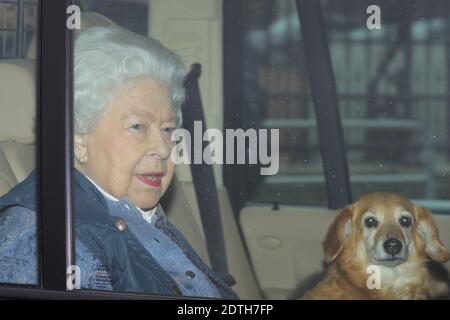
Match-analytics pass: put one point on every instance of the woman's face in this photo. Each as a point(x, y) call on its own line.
point(128, 152)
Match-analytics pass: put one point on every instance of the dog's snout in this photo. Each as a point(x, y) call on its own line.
point(392, 246)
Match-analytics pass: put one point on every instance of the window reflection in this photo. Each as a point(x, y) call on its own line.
point(393, 95)
point(276, 95)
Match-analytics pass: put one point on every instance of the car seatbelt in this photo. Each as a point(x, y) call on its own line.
point(204, 181)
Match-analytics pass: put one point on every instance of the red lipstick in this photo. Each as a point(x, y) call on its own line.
point(152, 179)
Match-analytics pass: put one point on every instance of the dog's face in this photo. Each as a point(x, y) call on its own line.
point(384, 229)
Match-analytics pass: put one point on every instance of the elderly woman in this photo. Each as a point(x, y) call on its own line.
point(128, 97)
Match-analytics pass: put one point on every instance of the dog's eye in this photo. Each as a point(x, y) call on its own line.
point(405, 221)
point(370, 222)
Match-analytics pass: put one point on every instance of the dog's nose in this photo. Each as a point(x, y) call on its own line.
point(392, 246)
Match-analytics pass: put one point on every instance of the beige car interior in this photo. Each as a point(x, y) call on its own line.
point(17, 121)
point(279, 249)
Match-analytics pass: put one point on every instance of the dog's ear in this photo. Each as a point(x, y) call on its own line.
point(428, 231)
point(339, 230)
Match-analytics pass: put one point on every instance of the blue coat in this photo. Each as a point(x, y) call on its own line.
point(109, 258)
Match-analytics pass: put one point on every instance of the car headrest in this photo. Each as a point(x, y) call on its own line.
point(88, 20)
point(93, 19)
point(17, 101)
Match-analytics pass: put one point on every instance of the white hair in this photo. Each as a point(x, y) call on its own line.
point(108, 58)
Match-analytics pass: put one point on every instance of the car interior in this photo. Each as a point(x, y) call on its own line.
point(273, 251)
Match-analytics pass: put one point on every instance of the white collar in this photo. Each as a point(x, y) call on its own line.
point(104, 193)
point(147, 215)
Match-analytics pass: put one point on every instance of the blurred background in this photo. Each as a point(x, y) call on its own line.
point(392, 87)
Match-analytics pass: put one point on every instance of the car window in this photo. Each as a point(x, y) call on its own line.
point(393, 96)
point(274, 94)
point(391, 90)
point(18, 137)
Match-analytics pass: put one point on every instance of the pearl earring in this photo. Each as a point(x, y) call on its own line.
point(82, 160)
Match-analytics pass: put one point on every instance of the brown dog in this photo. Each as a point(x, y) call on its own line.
point(387, 234)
